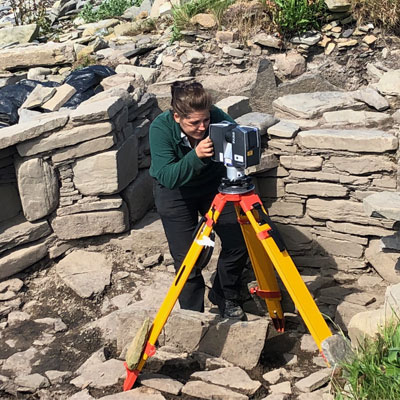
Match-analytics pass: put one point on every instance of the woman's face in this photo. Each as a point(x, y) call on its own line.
point(195, 124)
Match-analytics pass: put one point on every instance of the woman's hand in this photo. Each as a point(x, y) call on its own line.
point(205, 148)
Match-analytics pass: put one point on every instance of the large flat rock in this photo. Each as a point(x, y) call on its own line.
point(18, 230)
point(385, 204)
point(28, 130)
point(64, 138)
point(37, 55)
point(313, 105)
point(389, 84)
point(354, 140)
point(384, 263)
point(85, 272)
point(87, 224)
point(108, 172)
point(20, 258)
point(38, 187)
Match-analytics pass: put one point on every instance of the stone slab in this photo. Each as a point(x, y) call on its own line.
point(38, 187)
point(107, 203)
point(17, 231)
point(356, 140)
point(20, 258)
point(313, 105)
point(91, 223)
point(108, 172)
point(28, 130)
point(51, 53)
point(63, 138)
point(385, 204)
point(86, 273)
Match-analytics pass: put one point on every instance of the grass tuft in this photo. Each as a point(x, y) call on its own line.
point(374, 373)
point(297, 16)
point(107, 9)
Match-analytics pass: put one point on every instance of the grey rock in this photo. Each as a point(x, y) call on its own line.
point(385, 263)
point(100, 375)
point(232, 377)
point(235, 106)
point(45, 54)
point(372, 98)
point(20, 34)
point(97, 111)
point(312, 105)
point(308, 163)
point(84, 149)
point(20, 258)
point(31, 383)
point(29, 130)
point(362, 165)
point(264, 90)
point(267, 40)
point(140, 393)
point(262, 121)
point(18, 230)
point(107, 203)
point(38, 187)
point(284, 129)
point(86, 273)
point(356, 140)
point(308, 38)
point(108, 172)
point(389, 84)
point(161, 382)
point(20, 363)
point(314, 381)
point(385, 204)
point(39, 95)
point(208, 391)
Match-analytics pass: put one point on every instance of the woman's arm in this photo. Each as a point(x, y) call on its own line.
point(166, 166)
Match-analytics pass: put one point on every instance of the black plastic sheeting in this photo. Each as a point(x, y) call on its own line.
point(13, 96)
point(85, 81)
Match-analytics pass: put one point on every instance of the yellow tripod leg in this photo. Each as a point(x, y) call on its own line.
point(201, 239)
point(287, 271)
point(268, 287)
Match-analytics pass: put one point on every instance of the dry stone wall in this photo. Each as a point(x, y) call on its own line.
point(73, 174)
point(334, 150)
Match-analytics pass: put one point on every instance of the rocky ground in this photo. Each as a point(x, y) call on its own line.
point(50, 333)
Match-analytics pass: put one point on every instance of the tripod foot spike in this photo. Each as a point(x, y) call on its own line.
point(131, 376)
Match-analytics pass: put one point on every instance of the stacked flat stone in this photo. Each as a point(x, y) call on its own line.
point(76, 173)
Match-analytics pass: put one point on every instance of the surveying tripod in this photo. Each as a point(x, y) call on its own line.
point(266, 250)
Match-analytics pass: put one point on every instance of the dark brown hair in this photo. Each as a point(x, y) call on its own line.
point(188, 97)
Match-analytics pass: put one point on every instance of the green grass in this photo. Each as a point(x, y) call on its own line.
point(182, 14)
point(374, 373)
point(297, 16)
point(107, 9)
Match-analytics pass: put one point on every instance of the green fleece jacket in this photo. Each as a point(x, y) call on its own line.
point(175, 165)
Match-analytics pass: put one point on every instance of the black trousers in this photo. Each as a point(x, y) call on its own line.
point(179, 210)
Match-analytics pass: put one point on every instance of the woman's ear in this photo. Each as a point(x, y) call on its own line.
point(177, 118)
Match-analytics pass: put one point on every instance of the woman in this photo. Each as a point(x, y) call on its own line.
point(186, 182)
